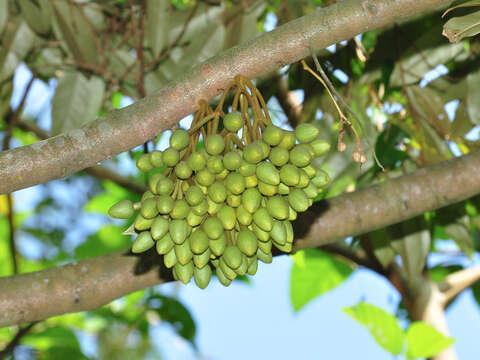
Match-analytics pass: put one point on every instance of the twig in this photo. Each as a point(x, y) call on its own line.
point(288, 103)
point(14, 342)
point(11, 224)
point(458, 281)
point(355, 255)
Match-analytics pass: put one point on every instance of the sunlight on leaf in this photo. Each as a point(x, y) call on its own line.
point(425, 341)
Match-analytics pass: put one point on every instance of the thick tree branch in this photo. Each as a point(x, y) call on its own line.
point(124, 129)
point(455, 283)
point(91, 283)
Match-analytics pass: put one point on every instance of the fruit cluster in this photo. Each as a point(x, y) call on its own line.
point(227, 203)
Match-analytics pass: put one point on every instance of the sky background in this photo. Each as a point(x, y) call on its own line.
point(253, 320)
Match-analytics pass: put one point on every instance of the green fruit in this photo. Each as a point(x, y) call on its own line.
point(222, 278)
point(165, 204)
point(122, 210)
point(306, 133)
point(247, 242)
point(199, 242)
point(213, 207)
point(251, 199)
point(253, 266)
point(149, 208)
point(247, 169)
point(141, 223)
point(289, 175)
point(232, 257)
point(233, 121)
point(261, 235)
point(153, 181)
point(202, 276)
point(147, 194)
point(164, 245)
point(289, 231)
point(179, 139)
point(268, 173)
point(227, 216)
point(310, 171)
point(278, 233)
point(285, 247)
point(165, 186)
point(251, 181)
point(218, 245)
point(217, 192)
point(320, 179)
point(156, 158)
point(215, 164)
point(213, 227)
point(265, 148)
point(243, 216)
point(178, 230)
point(309, 148)
point(253, 153)
point(288, 140)
point(182, 170)
point(292, 214)
point(214, 144)
point(170, 157)
point(304, 179)
point(183, 252)
point(279, 156)
point(194, 219)
point(298, 200)
point(272, 135)
point(264, 257)
point(144, 164)
point(267, 189)
point(180, 209)
point(234, 200)
point(311, 191)
point(170, 259)
point(184, 272)
point(232, 160)
point(202, 259)
point(159, 228)
point(265, 246)
point(205, 177)
point(283, 189)
point(242, 269)
point(196, 161)
point(300, 156)
point(200, 209)
point(222, 175)
point(194, 195)
point(229, 273)
point(235, 183)
point(277, 207)
point(262, 219)
point(320, 147)
point(143, 242)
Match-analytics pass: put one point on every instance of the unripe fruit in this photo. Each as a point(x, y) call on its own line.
point(233, 121)
point(156, 158)
point(194, 219)
point(288, 140)
point(251, 200)
point(260, 234)
point(217, 192)
point(235, 183)
point(143, 242)
point(232, 160)
point(268, 173)
point(217, 246)
point(247, 242)
point(214, 144)
point(164, 186)
point(234, 200)
point(149, 208)
point(222, 175)
point(243, 216)
point(196, 161)
point(178, 230)
point(310, 171)
point(251, 181)
point(247, 169)
point(283, 189)
point(144, 164)
point(292, 214)
point(232, 256)
point(202, 276)
point(222, 278)
point(311, 191)
point(320, 179)
point(122, 210)
point(289, 231)
point(183, 252)
point(199, 242)
point(265, 246)
point(289, 175)
point(165, 204)
point(277, 207)
point(304, 179)
point(264, 257)
point(262, 219)
point(170, 259)
point(213, 227)
point(298, 200)
point(278, 233)
point(300, 156)
point(141, 223)
point(253, 266)
point(147, 194)
point(159, 228)
point(200, 209)
point(213, 207)
point(180, 209)
point(229, 272)
point(153, 181)
point(170, 157)
point(164, 245)
point(182, 170)
point(179, 139)
point(267, 189)
point(205, 177)
point(184, 272)
point(272, 135)
point(306, 133)
point(320, 147)
point(215, 164)
point(242, 269)
point(279, 156)
point(194, 195)
point(227, 216)
point(202, 259)
point(253, 153)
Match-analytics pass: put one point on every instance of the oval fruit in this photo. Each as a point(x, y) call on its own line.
point(165, 204)
point(202, 276)
point(232, 256)
point(277, 207)
point(170, 157)
point(196, 161)
point(233, 121)
point(272, 135)
point(156, 158)
point(149, 208)
point(267, 173)
point(144, 164)
point(298, 200)
point(178, 230)
point(182, 170)
point(306, 133)
point(179, 139)
point(232, 160)
point(251, 199)
point(143, 242)
point(122, 210)
point(247, 242)
point(164, 245)
point(214, 144)
point(184, 272)
point(235, 183)
point(213, 227)
point(159, 228)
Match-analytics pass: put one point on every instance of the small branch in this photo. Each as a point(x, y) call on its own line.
point(287, 101)
point(458, 281)
point(16, 340)
point(353, 254)
point(11, 224)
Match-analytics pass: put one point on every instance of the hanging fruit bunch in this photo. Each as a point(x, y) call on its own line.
point(225, 204)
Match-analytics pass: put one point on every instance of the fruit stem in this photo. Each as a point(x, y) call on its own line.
point(201, 123)
point(137, 205)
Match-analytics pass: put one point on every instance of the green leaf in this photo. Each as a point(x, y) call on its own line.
point(174, 312)
point(460, 27)
point(76, 102)
point(108, 239)
point(104, 201)
point(382, 326)
point(50, 337)
point(37, 14)
point(473, 94)
point(315, 272)
point(424, 341)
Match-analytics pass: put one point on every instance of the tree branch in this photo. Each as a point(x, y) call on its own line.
point(16, 340)
point(94, 282)
point(460, 280)
point(124, 129)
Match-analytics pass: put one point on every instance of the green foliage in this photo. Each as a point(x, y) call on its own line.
point(104, 201)
point(107, 240)
point(313, 273)
point(425, 341)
